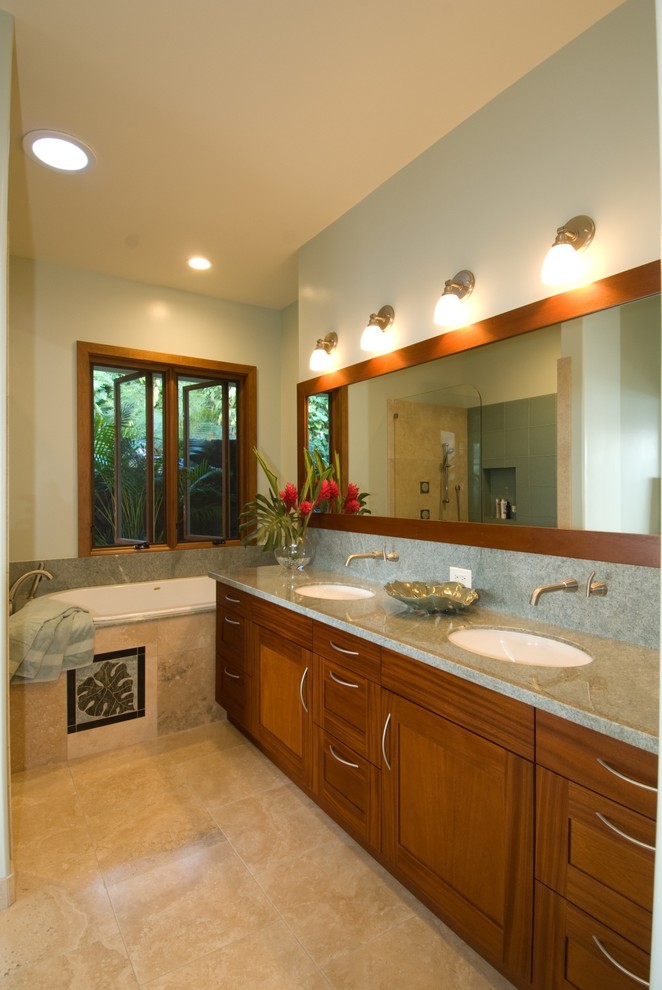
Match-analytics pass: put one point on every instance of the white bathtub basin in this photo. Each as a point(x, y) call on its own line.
point(519, 647)
point(334, 592)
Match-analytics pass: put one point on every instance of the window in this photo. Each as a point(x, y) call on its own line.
point(165, 449)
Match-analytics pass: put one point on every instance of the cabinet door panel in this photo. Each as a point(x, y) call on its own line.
point(284, 722)
point(458, 823)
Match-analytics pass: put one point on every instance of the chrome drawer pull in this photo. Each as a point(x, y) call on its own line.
point(235, 601)
point(386, 725)
point(231, 622)
point(622, 776)
point(623, 835)
point(339, 680)
point(303, 681)
point(345, 763)
point(228, 673)
point(350, 653)
point(637, 979)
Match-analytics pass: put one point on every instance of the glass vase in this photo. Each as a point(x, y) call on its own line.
point(294, 553)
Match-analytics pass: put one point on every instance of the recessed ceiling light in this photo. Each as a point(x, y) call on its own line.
point(200, 264)
point(59, 151)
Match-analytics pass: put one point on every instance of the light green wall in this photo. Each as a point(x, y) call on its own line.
point(578, 134)
point(51, 307)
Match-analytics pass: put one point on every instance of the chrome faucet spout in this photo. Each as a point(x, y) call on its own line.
point(569, 585)
point(373, 555)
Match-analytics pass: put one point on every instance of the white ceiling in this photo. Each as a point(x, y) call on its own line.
point(241, 129)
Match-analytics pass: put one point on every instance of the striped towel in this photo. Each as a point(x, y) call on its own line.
point(47, 637)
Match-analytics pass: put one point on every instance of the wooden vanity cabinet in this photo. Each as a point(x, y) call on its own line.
point(346, 706)
point(234, 664)
point(595, 833)
point(457, 812)
point(281, 647)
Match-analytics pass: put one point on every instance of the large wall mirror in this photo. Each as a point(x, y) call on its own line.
point(495, 435)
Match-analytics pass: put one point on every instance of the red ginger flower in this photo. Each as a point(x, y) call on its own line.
point(289, 495)
point(325, 492)
point(351, 505)
point(305, 508)
point(352, 492)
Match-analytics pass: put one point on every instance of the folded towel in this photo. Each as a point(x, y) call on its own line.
point(47, 637)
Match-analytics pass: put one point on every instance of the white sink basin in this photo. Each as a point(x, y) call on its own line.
point(519, 647)
point(334, 592)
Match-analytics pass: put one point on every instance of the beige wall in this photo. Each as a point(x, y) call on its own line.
point(51, 307)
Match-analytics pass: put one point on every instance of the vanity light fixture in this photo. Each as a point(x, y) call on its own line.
point(372, 338)
point(449, 311)
point(562, 264)
point(56, 150)
point(320, 359)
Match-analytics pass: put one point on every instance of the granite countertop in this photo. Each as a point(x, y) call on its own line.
point(617, 693)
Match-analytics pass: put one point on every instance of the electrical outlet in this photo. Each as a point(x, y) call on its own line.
point(460, 574)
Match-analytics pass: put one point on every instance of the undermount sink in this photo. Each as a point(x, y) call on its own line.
point(514, 646)
point(334, 592)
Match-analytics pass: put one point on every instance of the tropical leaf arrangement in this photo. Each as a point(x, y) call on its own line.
point(283, 515)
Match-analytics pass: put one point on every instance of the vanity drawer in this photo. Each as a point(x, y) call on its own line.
point(613, 768)
point(233, 692)
point(232, 599)
point(232, 637)
point(596, 853)
point(355, 654)
point(568, 953)
point(346, 704)
point(346, 786)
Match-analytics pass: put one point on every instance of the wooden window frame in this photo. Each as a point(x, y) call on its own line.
point(90, 354)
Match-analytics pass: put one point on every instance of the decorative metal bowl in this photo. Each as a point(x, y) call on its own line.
point(429, 598)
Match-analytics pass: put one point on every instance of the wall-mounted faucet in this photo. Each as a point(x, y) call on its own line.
point(373, 555)
point(569, 585)
point(39, 573)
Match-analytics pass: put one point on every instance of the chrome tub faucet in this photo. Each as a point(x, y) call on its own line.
point(39, 573)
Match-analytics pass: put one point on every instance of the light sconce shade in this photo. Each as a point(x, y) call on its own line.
point(372, 338)
point(562, 264)
point(320, 359)
point(449, 311)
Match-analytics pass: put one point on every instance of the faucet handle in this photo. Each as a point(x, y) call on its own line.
point(595, 587)
point(392, 555)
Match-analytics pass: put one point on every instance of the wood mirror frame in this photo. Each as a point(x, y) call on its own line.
point(624, 548)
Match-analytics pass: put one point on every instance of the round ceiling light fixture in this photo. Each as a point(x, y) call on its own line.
point(59, 151)
point(199, 264)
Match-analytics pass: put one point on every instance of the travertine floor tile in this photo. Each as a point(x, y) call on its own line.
point(269, 960)
point(100, 964)
point(199, 903)
point(420, 954)
point(228, 775)
point(49, 920)
point(288, 903)
point(335, 898)
point(278, 824)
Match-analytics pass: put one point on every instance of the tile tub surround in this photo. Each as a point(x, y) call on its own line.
point(179, 687)
point(617, 693)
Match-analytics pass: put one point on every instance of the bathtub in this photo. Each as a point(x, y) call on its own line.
point(118, 604)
